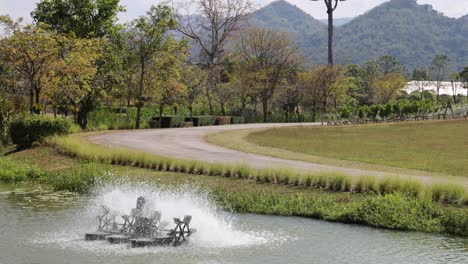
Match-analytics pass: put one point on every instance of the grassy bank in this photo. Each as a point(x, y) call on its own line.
point(393, 211)
point(435, 146)
point(78, 146)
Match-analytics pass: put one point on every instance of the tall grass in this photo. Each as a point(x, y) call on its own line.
point(13, 171)
point(392, 211)
point(78, 146)
point(80, 179)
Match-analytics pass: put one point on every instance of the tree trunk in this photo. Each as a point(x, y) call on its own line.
point(82, 119)
point(140, 95)
point(190, 108)
point(31, 94)
point(453, 93)
point(161, 110)
point(265, 109)
point(210, 88)
point(330, 36)
point(223, 110)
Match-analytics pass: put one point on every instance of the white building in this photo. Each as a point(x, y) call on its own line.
point(445, 88)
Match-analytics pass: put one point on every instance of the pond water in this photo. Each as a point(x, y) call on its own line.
point(44, 227)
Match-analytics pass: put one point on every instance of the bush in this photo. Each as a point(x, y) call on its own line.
point(13, 171)
point(81, 179)
point(237, 120)
point(167, 122)
point(400, 212)
point(455, 222)
point(202, 120)
point(25, 131)
point(222, 120)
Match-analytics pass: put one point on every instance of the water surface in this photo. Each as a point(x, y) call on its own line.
point(44, 227)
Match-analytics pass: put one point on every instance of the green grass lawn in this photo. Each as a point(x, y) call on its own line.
point(440, 147)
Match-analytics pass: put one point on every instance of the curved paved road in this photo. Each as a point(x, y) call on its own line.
point(188, 143)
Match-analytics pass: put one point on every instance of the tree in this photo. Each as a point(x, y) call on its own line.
point(6, 113)
point(147, 38)
point(454, 80)
point(194, 79)
point(388, 64)
point(163, 84)
point(464, 78)
point(310, 90)
point(290, 95)
point(326, 80)
point(215, 21)
point(268, 54)
point(72, 82)
point(422, 77)
point(86, 18)
point(386, 87)
point(31, 50)
point(331, 6)
point(439, 69)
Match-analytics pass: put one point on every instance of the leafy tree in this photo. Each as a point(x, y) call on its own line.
point(148, 37)
point(420, 74)
point(464, 78)
point(163, 84)
point(269, 54)
point(31, 50)
point(194, 79)
point(386, 87)
point(310, 90)
point(86, 18)
point(389, 64)
point(439, 68)
point(72, 84)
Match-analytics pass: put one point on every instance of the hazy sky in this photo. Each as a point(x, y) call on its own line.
point(349, 8)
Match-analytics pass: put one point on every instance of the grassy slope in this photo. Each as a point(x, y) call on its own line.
point(392, 211)
point(52, 161)
point(440, 147)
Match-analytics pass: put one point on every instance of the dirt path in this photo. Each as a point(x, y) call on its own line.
point(189, 143)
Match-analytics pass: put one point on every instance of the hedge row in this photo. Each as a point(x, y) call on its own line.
point(167, 122)
point(178, 121)
point(27, 130)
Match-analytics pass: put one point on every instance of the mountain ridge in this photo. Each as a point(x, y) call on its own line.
point(412, 33)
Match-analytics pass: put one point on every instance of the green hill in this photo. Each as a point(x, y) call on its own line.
point(412, 33)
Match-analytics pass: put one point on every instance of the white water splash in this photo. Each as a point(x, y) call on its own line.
point(215, 229)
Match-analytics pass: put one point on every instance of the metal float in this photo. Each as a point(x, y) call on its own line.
point(139, 230)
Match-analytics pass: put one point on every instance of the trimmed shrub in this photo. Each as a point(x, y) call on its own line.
point(25, 131)
point(167, 122)
point(237, 120)
point(202, 120)
point(222, 120)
